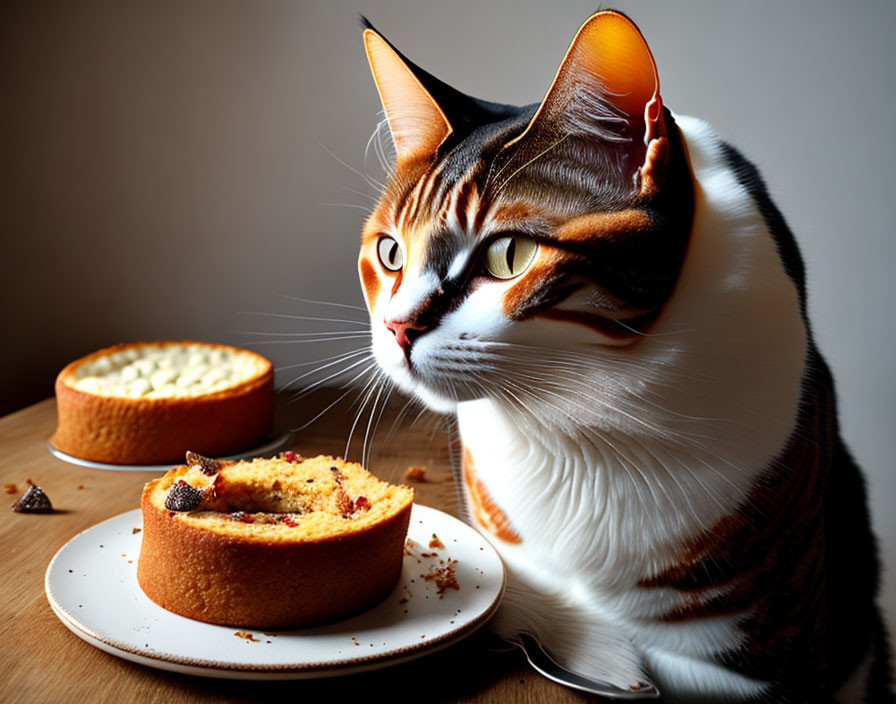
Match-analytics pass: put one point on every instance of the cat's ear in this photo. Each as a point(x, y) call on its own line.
point(416, 121)
point(607, 85)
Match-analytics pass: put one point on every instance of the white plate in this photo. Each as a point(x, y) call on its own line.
point(271, 445)
point(91, 584)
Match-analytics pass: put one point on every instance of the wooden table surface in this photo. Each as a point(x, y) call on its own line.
point(42, 661)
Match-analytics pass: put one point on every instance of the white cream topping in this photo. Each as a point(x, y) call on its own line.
point(166, 371)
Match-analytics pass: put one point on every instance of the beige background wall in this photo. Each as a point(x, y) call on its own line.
point(167, 166)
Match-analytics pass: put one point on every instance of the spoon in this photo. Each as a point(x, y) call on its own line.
point(544, 664)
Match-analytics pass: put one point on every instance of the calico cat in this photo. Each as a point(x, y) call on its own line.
point(605, 295)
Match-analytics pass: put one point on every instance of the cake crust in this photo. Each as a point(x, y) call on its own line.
point(278, 577)
point(122, 430)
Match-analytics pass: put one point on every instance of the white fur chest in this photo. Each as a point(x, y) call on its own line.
point(595, 514)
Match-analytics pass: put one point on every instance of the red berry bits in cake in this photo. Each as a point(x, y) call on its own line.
point(275, 551)
point(34, 500)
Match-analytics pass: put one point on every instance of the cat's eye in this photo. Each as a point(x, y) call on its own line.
point(510, 256)
point(390, 254)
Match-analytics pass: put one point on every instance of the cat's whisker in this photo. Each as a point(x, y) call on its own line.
point(339, 360)
point(641, 333)
point(376, 139)
point(383, 136)
point(337, 338)
point(370, 416)
point(286, 316)
point(321, 303)
point(399, 417)
point(349, 388)
point(311, 387)
point(323, 412)
point(420, 414)
point(299, 334)
point(371, 434)
point(372, 182)
point(565, 378)
point(365, 208)
point(550, 357)
point(343, 355)
point(366, 393)
point(369, 197)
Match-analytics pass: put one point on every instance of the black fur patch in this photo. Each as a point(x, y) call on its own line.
point(849, 623)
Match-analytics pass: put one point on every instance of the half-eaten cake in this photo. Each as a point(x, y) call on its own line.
point(271, 543)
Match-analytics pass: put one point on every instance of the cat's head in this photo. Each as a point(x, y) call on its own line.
point(511, 238)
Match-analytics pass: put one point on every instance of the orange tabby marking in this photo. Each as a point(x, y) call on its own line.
point(485, 510)
point(370, 280)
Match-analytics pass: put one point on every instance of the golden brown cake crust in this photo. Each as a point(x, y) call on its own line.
point(255, 581)
point(121, 430)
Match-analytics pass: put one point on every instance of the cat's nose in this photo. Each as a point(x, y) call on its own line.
point(405, 333)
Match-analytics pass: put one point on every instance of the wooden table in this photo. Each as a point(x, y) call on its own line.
point(42, 661)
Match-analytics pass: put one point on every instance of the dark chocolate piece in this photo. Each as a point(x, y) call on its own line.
point(34, 500)
point(183, 497)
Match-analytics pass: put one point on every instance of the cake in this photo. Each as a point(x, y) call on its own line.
point(271, 543)
point(149, 402)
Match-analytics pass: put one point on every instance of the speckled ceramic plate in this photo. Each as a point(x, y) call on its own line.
point(271, 445)
point(91, 584)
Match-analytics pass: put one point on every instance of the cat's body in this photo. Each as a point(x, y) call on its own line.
point(628, 493)
point(616, 311)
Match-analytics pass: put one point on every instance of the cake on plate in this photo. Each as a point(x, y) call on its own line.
point(149, 402)
point(271, 543)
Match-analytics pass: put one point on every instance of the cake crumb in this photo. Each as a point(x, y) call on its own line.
point(443, 577)
point(246, 635)
point(12, 489)
point(134, 531)
point(436, 543)
point(416, 474)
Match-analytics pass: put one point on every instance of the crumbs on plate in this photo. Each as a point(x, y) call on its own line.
point(443, 577)
point(246, 635)
point(435, 543)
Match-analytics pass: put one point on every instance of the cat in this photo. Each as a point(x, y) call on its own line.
point(604, 294)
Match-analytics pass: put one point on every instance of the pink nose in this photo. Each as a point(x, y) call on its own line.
point(405, 333)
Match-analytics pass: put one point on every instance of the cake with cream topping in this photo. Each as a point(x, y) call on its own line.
point(149, 402)
point(271, 543)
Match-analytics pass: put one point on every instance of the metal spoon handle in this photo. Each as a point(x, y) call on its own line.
point(544, 664)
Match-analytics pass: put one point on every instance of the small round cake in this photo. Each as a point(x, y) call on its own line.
point(150, 402)
point(271, 543)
